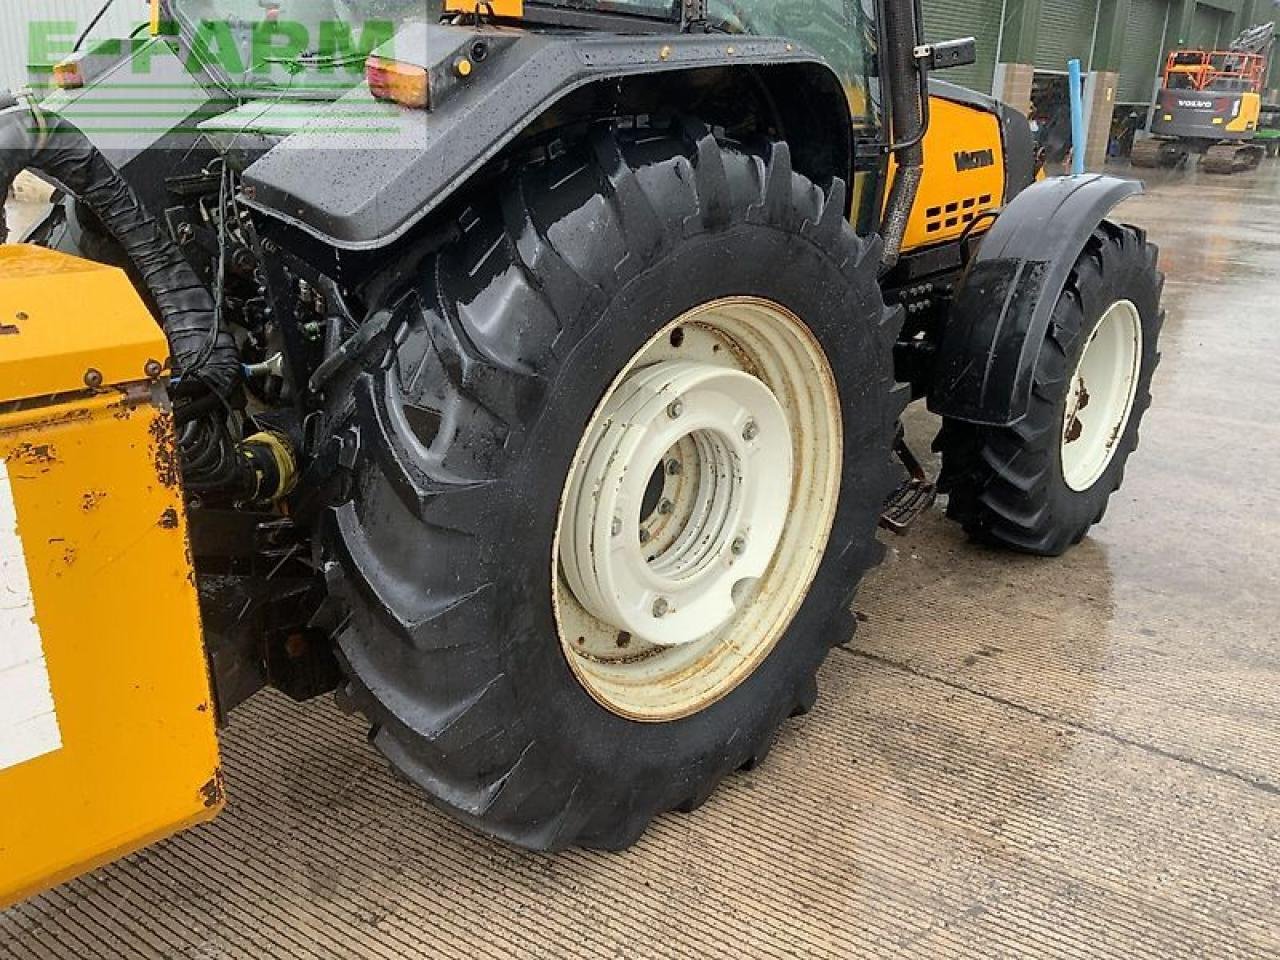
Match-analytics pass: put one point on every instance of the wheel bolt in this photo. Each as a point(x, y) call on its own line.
point(675, 408)
point(750, 431)
point(645, 535)
point(660, 607)
point(665, 507)
point(739, 546)
point(615, 528)
point(673, 468)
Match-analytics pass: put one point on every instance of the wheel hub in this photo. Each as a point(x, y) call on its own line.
point(696, 509)
point(679, 501)
point(1101, 395)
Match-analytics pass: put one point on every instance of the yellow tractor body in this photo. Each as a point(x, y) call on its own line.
point(963, 175)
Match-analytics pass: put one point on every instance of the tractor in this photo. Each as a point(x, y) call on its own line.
point(528, 374)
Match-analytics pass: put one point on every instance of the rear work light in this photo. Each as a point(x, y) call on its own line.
point(402, 83)
point(68, 74)
point(513, 9)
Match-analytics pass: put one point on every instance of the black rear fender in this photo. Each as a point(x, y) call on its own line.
point(361, 190)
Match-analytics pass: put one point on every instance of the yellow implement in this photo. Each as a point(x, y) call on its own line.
point(107, 738)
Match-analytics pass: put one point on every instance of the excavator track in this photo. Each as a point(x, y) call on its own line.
point(1229, 158)
point(1157, 152)
point(1146, 153)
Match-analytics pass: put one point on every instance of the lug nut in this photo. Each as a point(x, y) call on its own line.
point(660, 607)
point(673, 468)
point(665, 507)
point(645, 535)
point(674, 409)
point(750, 431)
point(739, 546)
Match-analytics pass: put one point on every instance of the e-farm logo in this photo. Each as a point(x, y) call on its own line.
point(176, 84)
point(234, 49)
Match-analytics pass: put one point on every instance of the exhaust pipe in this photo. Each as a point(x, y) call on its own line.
point(908, 98)
point(202, 353)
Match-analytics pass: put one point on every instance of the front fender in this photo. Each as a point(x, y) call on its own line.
point(987, 354)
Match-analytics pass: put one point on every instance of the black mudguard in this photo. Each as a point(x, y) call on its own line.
point(985, 360)
point(362, 177)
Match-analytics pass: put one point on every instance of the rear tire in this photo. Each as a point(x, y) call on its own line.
point(1024, 486)
point(469, 418)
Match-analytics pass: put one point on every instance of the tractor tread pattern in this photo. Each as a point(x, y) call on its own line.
point(419, 648)
point(1004, 484)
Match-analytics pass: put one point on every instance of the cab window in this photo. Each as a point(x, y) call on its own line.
point(842, 32)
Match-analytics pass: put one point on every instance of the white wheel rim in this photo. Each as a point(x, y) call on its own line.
point(697, 509)
point(1101, 395)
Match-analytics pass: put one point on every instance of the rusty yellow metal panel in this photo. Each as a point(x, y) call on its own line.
point(61, 317)
point(107, 737)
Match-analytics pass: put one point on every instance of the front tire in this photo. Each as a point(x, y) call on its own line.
point(472, 416)
point(1038, 485)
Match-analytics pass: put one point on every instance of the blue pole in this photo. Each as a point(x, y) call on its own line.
point(1077, 117)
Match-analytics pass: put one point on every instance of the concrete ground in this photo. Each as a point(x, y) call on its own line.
point(1013, 757)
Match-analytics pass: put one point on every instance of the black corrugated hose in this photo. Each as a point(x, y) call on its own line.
point(203, 354)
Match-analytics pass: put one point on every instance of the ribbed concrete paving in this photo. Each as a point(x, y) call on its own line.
point(1013, 758)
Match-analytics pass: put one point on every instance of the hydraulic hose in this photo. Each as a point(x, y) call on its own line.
point(202, 353)
point(907, 91)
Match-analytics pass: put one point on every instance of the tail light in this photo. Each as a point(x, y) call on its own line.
point(495, 8)
point(402, 83)
point(68, 75)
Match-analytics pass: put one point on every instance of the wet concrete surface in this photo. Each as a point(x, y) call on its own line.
point(1014, 757)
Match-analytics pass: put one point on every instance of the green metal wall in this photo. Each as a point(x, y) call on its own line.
point(1210, 28)
point(1065, 31)
point(1143, 51)
point(947, 20)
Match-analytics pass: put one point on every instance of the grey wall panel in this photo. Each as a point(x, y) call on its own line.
point(1065, 31)
point(948, 19)
point(1145, 44)
point(1210, 28)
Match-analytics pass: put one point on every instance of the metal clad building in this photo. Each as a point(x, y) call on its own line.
point(980, 19)
point(1067, 30)
point(1146, 40)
